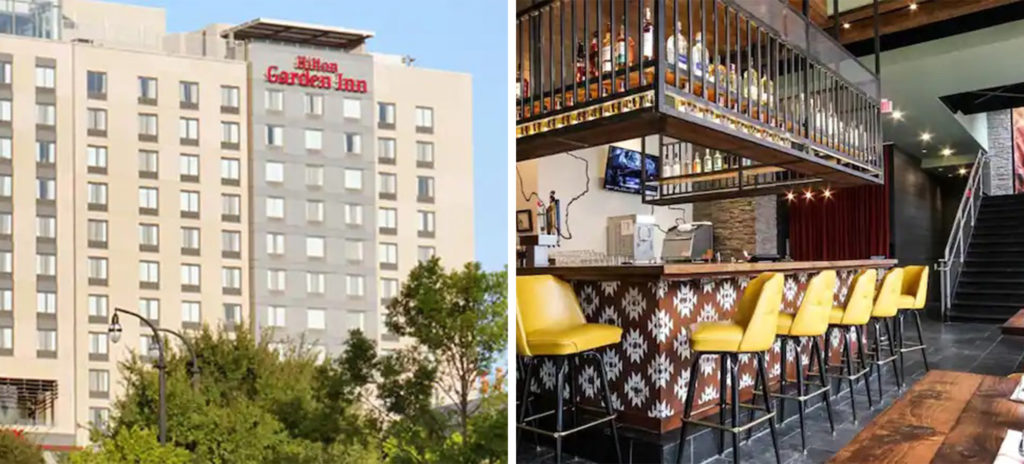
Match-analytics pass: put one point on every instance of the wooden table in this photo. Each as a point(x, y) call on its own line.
point(952, 417)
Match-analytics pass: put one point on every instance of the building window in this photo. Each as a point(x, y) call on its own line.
point(147, 89)
point(96, 229)
point(232, 313)
point(189, 94)
point(229, 134)
point(231, 241)
point(352, 108)
point(387, 185)
point(6, 338)
point(97, 271)
point(315, 282)
point(388, 288)
point(190, 275)
point(424, 253)
point(190, 239)
point(188, 166)
point(100, 417)
point(353, 214)
point(5, 185)
point(386, 150)
point(274, 171)
point(96, 84)
point(275, 136)
point(6, 224)
point(46, 77)
point(314, 175)
point(47, 340)
point(424, 154)
point(231, 278)
point(148, 125)
point(315, 247)
point(354, 250)
point(96, 158)
point(275, 207)
point(98, 343)
point(96, 121)
point(231, 207)
point(314, 104)
point(275, 243)
point(388, 253)
point(5, 72)
point(46, 302)
point(46, 152)
point(314, 139)
point(46, 189)
point(229, 97)
point(425, 222)
point(189, 202)
point(149, 235)
point(386, 114)
point(5, 148)
point(353, 143)
point(425, 188)
point(230, 169)
point(6, 262)
point(5, 110)
point(98, 306)
point(316, 319)
point(148, 198)
point(387, 218)
point(355, 320)
point(314, 211)
point(147, 347)
point(46, 114)
point(149, 308)
point(188, 129)
point(148, 162)
point(424, 118)
point(353, 179)
point(99, 382)
point(355, 285)
point(149, 272)
point(275, 316)
point(190, 312)
point(276, 280)
point(274, 100)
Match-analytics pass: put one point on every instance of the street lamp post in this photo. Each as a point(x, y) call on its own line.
point(115, 336)
point(193, 368)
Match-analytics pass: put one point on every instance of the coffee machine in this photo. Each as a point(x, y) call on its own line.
point(631, 237)
point(688, 242)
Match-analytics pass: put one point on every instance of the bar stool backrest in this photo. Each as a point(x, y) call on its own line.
point(758, 311)
point(546, 302)
point(812, 316)
point(915, 283)
point(889, 294)
point(860, 299)
point(522, 347)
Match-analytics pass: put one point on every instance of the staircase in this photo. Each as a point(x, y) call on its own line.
point(991, 284)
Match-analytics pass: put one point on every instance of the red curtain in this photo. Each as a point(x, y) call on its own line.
point(852, 224)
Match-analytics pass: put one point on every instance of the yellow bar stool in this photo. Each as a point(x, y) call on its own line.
point(883, 315)
point(751, 331)
point(808, 323)
point(550, 324)
point(912, 300)
point(854, 316)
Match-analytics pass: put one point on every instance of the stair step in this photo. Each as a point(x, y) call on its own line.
point(964, 314)
point(991, 240)
point(995, 253)
point(1002, 297)
point(1003, 199)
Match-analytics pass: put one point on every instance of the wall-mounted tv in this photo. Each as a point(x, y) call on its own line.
point(623, 170)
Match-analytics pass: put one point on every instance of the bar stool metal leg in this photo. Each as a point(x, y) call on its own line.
point(609, 409)
point(847, 356)
point(559, 389)
point(817, 350)
point(688, 405)
point(572, 363)
point(524, 400)
point(723, 373)
point(768, 405)
point(783, 345)
point(878, 356)
point(892, 353)
point(864, 362)
point(899, 343)
point(920, 339)
point(800, 393)
point(735, 390)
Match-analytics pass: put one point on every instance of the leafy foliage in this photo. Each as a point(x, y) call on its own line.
point(15, 449)
point(135, 445)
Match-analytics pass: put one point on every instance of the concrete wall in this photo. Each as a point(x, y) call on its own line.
point(1000, 150)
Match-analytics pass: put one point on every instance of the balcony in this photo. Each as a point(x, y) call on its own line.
point(739, 78)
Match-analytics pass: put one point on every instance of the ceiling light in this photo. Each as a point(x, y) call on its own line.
point(947, 151)
point(827, 192)
point(809, 195)
point(897, 115)
point(926, 136)
point(846, 25)
point(962, 171)
point(790, 196)
point(913, 6)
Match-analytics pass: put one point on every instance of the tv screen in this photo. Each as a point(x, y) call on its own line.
point(623, 170)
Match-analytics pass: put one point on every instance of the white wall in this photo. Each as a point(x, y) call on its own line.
point(588, 216)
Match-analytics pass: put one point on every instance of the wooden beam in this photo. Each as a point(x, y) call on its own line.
point(895, 16)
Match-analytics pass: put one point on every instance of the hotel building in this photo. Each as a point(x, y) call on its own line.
point(172, 176)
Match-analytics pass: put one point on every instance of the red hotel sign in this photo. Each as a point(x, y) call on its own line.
point(317, 73)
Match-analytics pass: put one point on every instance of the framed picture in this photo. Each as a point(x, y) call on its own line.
point(524, 220)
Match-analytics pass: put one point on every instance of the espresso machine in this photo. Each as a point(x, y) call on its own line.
point(631, 237)
point(688, 242)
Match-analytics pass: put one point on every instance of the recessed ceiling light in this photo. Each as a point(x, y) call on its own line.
point(913, 6)
point(809, 195)
point(827, 192)
point(926, 136)
point(790, 196)
point(947, 151)
point(897, 115)
point(846, 25)
point(962, 171)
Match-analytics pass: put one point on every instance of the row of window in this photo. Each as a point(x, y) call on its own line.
point(188, 92)
point(387, 152)
point(316, 319)
point(355, 284)
point(96, 192)
point(96, 125)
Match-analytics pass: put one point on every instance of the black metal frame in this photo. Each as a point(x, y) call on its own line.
point(730, 360)
point(802, 395)
point(903, 347)
point(844, 370)
point(875, 355)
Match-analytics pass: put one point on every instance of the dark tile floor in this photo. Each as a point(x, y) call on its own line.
point(965, 347)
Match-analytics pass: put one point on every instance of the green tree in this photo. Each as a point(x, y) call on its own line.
point(15, 449)
point(135, 445)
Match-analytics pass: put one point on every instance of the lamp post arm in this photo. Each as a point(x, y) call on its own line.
point(191, 351)
point(161, 368)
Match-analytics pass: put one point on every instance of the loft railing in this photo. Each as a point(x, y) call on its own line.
point(952, 262)
point(753, 66)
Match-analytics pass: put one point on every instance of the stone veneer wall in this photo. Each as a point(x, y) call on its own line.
point(741, 224)
point(1000, 150)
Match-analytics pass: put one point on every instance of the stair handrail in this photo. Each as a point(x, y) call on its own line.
point(963, 227)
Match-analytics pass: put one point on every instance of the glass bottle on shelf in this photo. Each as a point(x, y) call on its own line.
point(750, 83)
point(581, 61)
point(700, 55)
point(519, 86)
point(718, 161)
point(697, 168)
point(709, 163)
point(594, 55)
point(624, 55)
point(648, 35)
point(675, 50)
point(606, 50)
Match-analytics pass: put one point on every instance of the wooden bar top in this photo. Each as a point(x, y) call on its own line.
point(947, 417)
point(689, 270)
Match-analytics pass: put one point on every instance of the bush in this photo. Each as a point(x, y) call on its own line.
point(15, 449)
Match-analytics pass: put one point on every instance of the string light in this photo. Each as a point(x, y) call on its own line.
point(809, 195)
point(790, 196)
point(913, 6)
point(827, 192)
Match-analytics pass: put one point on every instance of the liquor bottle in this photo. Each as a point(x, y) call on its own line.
point(718, 161)
point(696, 164)
point(581, 61)
point(648, 37)
point(594, 55)
point(606, 50)
point(519, 86)
point(624, 56)
point(699, 54)
point(709, 163)
point(675, 50)
point(750, 83)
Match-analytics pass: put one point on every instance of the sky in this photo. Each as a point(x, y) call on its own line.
point(457, 35)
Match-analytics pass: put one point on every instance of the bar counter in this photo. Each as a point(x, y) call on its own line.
point(657, 306)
